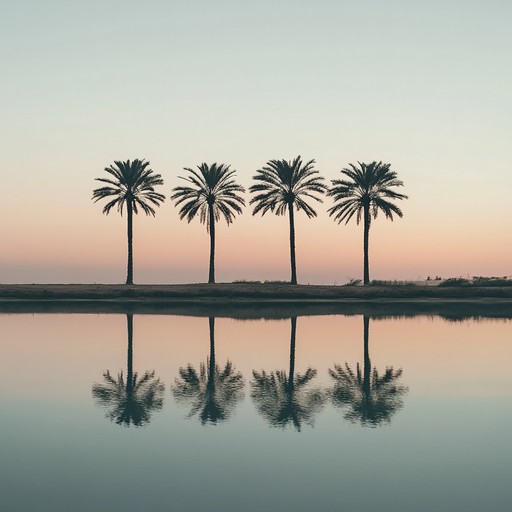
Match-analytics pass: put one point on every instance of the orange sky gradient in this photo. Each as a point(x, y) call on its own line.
point(71, 241)
point(228, 91)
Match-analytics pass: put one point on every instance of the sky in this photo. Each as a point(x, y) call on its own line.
point(422, 86)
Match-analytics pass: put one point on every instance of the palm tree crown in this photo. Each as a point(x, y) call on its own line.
point(365, 395)
point(371, 399)
point(212, 194)
point(284, 185)
point(131, 185)
point(369, 185)
point(285, 399)
point(213, 392)
point(368, 189)
point(131, 401)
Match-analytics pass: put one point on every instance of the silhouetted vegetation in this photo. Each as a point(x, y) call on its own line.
point(287, 399)
point(377, 282)
point(367, 397)
point(211, 392)
point(455, 281)
point(477, 281)
point(367, 190)
point(243, 281)
point(129, 401)
point(283, 186)
point(258, 300)
point(354, 282)
point(213, 194)
point(132, 186)
point(491, 281)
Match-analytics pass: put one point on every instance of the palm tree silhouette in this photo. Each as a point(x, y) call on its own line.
point(283, 399)
point(132, 185)
point(283, 186)
point(212, 393)
point(131, 401)
point(212, 195)
point(367, 191)
point(369, 398)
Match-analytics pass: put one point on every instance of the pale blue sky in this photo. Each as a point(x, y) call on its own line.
point(425, 86)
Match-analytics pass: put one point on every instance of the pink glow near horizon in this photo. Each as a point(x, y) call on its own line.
point(93, 249)
point(437, 114)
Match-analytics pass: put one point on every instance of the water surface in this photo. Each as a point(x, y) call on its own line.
point(141, 412)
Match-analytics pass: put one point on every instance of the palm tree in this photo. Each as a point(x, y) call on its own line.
point(283, 399)
point(369, 398)
point(132, 185)
point(133, 400)
point(283, 186)
point(213, 194)
point(212, 392)
point(368, 190)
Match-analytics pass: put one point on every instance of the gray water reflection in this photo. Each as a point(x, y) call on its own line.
point(367, 397)
point(444, 444)
point(131, 401)
point(212, 393)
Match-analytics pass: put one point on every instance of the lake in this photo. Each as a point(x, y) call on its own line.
point(125, 412)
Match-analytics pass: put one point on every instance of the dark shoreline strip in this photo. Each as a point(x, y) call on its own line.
point(453, 309)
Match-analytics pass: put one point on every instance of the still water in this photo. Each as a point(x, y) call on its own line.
point(159, 412)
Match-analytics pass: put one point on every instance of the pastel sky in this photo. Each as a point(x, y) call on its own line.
point(425, 86)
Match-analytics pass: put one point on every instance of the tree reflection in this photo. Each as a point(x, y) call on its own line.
point(212, 393)
point(369, 398)
point(283, 399)
point(130, 401)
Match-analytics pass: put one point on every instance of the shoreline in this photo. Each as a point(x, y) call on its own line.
point(247, 292)
point(252, 301)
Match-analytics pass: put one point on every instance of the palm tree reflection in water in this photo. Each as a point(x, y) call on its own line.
point(131, 401)
point(283, 399)
point(371, 399)
point(212, 393)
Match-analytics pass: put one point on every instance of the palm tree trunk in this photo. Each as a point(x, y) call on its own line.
point(129, 375)
point(367, 362)
point(211, 277)
point(292, 351)
point(366, 213)
point(129, 273)
point(211, 367)
point(292, 245)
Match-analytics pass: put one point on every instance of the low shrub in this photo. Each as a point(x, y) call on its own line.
point(377, 282)
point(478, 281)
point(491, 281)
point(456, 281)
point(354, 282)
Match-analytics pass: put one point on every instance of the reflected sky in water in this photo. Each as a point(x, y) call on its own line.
point(131, 412)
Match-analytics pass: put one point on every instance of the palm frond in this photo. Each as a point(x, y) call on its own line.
point(282, 184)
point(133, 185)
point(212, 393)
point(209, 187)
point(370, 400)
point(130, 403)
point(283, 401)
point(365, 185)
